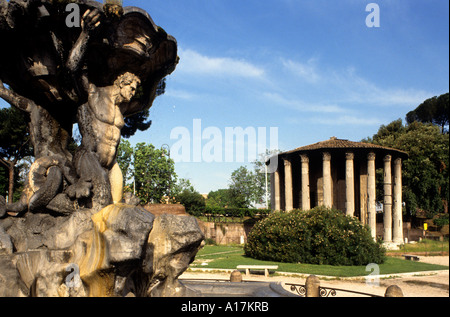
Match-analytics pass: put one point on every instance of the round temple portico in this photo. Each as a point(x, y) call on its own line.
point(342, 174)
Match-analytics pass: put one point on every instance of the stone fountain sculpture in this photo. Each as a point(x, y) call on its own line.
point(71, 234)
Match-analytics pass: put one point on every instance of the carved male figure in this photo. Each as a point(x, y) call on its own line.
point(91, 74)
point(50, 141)
point(100, 121)
point(52, 158)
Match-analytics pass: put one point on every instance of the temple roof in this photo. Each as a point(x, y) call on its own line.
point(335, 143)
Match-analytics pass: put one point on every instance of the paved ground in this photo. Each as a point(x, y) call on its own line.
point(423, 284)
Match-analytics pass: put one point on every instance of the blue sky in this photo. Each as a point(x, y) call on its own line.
point(311, 68)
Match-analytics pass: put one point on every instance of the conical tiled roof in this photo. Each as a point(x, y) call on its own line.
point(335, 143)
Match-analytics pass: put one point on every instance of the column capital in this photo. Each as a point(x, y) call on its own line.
point(371, 156)
point(286, 162)
point(304, 158)
point(398, 161)
point(349, 155)
point(388, 158)
point(326, 156)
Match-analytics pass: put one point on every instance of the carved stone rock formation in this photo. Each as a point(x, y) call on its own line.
point(70, 234)
point(118, 251)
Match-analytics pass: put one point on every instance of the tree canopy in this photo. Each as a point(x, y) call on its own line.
point(425, 172)
point(242, 187)
point(246, 187)
point(185, 194)
point(154, 173)
point(148, 170)
point(125, 160)
point(220, 198)
point(14, 143)
point(433, 110)
point(138, 121)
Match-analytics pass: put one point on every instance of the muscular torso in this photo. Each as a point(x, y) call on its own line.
point(100, 122)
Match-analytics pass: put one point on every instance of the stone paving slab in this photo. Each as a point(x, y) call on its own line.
point(416, 284)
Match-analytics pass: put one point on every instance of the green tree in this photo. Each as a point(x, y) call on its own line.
point(181, 185)
point(433, 110)
point(425, 173)
point(125, 160)
point(14, 143)
point(138, 121)
point(261, 176)
point(4, 180)
point(220, 198)
point(243, 190)
point(185, 194)
point(154, 173)
point(18, 181)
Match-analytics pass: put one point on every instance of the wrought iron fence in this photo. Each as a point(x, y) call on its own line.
point(324, 291)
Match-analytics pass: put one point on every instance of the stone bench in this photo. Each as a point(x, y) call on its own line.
point(266, 268)
point(411, 257)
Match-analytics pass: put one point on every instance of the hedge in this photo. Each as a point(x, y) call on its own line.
point(318, 236)
point(228, 212)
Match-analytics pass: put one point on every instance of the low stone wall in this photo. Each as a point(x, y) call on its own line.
point(170, 209)
point(225, 233)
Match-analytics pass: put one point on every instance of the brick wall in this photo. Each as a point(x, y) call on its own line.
point(225, 233)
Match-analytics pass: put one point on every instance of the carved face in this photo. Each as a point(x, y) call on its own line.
point(128, 90)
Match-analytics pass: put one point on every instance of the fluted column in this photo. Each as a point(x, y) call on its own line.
point(371, 194)
point(349, 185)
point(277, 191)
point(327, 194)
point(288, 192)
point(387, 202)
point(306, 202)
point(397, 215)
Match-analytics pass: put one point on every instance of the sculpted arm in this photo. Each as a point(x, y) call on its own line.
point(89, 22)
point(15, 99)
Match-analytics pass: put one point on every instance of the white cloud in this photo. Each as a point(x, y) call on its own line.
point(347, 87)
point(180, 94)
point(339, 120)
point(300, 105)
point(196, 63)
point(356, 89)
point(307, 71)
point(403, 97)
point(347, 120)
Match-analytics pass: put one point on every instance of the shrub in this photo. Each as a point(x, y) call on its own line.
point(441, 220)
point(318, 236)
point(228, 212)
point(192, 201)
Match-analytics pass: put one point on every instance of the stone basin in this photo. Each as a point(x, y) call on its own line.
point(210, 288)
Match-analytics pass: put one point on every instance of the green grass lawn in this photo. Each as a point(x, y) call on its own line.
point(425, 245)
point(228, 257)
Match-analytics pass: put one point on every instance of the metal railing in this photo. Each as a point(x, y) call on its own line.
point(325, 291)
point(312, 288)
